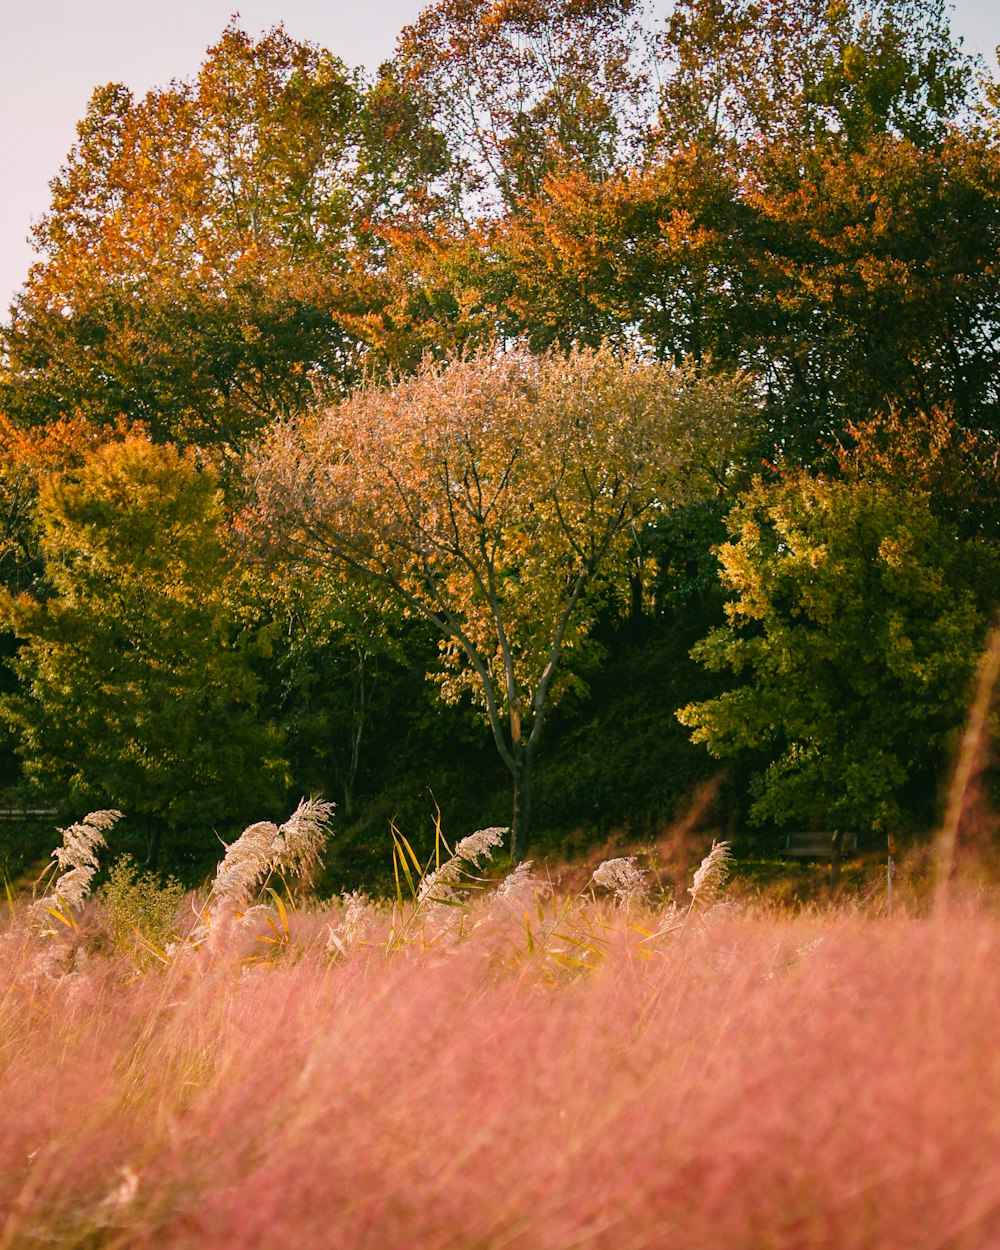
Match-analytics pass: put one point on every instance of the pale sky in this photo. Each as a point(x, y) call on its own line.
point(53, 53)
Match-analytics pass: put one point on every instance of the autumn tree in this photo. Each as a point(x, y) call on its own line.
point(870, 202)
point(793, 187)
point(137, 683)
point(812, 200)
point(875, 286)
point(654, 254)
point(516, 93)
point(26, 456)
point(518, 88)
point(195, 250)
point(497, 497)
point(932, 456)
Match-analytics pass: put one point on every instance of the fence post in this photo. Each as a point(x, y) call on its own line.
point(835, 863)
point(890, 869)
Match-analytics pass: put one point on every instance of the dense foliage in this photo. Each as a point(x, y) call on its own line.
point(852, 631)
point(136, 678)
point(447, 338)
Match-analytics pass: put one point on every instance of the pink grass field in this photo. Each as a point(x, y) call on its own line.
point(751, 1079)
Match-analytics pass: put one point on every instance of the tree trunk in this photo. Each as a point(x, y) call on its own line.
point(635, 607)
point(154, 837)
point(520, 826)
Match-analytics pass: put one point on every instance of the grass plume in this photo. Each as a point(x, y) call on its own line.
point(76, 863)
point(711, 875)
point(264, 848)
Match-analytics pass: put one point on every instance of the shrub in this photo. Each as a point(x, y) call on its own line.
point(141, 910)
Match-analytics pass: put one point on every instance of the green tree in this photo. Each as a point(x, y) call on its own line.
point(500, 499)
point(26, 454)
point(853, 632)
point(137, 686)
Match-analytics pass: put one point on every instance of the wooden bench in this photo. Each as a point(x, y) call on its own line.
point(832, 846)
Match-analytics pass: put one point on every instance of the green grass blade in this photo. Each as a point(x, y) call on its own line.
point(67, 918)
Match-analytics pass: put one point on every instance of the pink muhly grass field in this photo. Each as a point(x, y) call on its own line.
point(749, 1079)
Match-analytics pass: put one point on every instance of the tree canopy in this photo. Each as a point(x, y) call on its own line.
point(192, 256)
point(497, 497)
point(800, 189)
point(853, 633)
point(137, 686)
point(809, 196)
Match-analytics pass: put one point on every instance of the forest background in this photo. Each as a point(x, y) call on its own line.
point(792, 205)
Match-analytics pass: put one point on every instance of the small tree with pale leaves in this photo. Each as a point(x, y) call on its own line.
point(501, 499)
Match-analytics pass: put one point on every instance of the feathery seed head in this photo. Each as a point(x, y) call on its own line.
point(357, 922)
point(77, 857)
point(246, 861)
point(301, 838)
point(72, 887)
point(711, 875)
point(80, 841)
point(436, 885)
point(480, 843)
point(264, 847)
point(624, 877)
point(355, 927)
point(520, 888)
